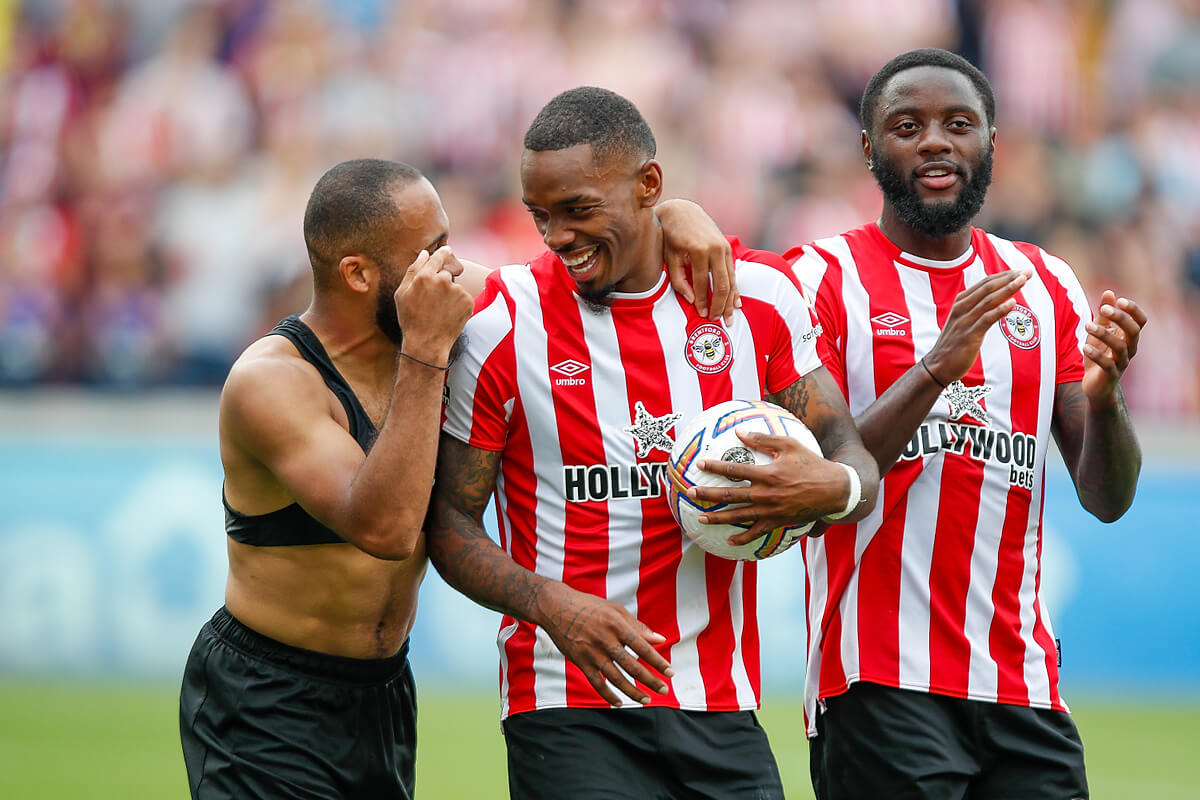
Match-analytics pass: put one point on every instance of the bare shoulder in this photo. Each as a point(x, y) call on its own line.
point(473, 276)
point(269, 387)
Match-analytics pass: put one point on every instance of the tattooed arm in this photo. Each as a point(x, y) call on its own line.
point(1091, 423)
point(798, 485)
point(597, 635)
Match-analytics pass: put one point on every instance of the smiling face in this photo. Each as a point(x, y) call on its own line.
point(597, 216)
point(931, 152)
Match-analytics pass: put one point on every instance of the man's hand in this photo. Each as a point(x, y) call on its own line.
point(975, 311)
point(1111, 342)
point(694, 251)
point(1091, 423)
point(798, 486)
point(600, 637)
point(431, 308)
point(605, 641)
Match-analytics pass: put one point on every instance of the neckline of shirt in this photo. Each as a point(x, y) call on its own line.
point(928, 264)
point(910, 260)
point(626, 299)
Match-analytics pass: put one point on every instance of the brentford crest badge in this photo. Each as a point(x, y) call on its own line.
point(709, 349)
point(1020, 326)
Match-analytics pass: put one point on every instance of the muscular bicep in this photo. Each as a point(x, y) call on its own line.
point(1070, 407)
point(816, 400)
point(276, 414)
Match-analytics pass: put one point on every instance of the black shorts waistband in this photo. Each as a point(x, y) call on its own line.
point(322, 666)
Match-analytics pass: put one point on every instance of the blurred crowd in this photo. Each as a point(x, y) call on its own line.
point(156, 155)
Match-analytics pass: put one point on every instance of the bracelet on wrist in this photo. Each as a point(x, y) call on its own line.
point(424, 363)
point(929, 372)
point(855, 496)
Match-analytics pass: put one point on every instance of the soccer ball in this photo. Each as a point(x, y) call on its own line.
point(712, 434)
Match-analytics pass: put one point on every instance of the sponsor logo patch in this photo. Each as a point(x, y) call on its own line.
point(1020, 326)
point(584, 483)
point(570, 371)
point(1017, 451)
point(708, 349)
point(890, 323)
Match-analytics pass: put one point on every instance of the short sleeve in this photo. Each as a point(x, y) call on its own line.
point(479, 386)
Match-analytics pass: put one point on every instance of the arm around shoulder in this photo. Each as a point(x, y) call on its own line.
point(696, 255)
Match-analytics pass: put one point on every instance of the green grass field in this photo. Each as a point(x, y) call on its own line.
point(102, 742)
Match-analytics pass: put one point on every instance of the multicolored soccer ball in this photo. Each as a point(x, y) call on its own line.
point(712, 434)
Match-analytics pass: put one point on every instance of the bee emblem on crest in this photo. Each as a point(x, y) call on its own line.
point(1020, 326)
point(709, 349)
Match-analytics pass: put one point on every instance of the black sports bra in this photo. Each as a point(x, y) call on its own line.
point(292, 525)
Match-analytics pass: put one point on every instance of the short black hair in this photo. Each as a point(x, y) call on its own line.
point(589, 115)
point(925, 57)
point(350, 210)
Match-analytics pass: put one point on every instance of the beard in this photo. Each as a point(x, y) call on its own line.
point(386, 321)
point(385, 314)
point(935, 220)
point(598, 299)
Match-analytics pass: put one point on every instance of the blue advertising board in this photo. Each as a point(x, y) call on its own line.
point(112, 555)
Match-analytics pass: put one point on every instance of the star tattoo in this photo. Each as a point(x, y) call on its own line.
point(966, 400)
point(650, 432)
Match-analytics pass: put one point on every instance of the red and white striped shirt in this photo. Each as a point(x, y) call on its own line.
point(938, 590)
point(582, 406)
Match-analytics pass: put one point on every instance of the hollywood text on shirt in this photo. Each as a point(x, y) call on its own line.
point(591, 482)
point(1017, 451)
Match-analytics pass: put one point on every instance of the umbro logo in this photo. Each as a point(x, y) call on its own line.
point(889, 323)
point(570, 370)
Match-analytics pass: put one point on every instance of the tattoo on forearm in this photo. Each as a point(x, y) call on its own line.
point(807, 399)
point(460, 548)
point(794, 398)
point(471, 562)
point(466, 474)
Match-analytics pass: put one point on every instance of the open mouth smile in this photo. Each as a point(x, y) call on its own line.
point(580, 263)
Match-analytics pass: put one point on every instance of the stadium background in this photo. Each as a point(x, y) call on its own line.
point(155, 158)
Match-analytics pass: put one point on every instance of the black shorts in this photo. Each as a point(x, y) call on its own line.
point(258, 718)
point(639, 754)
point(876, 741)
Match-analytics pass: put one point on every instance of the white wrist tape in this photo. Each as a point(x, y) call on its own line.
point(855, 492)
